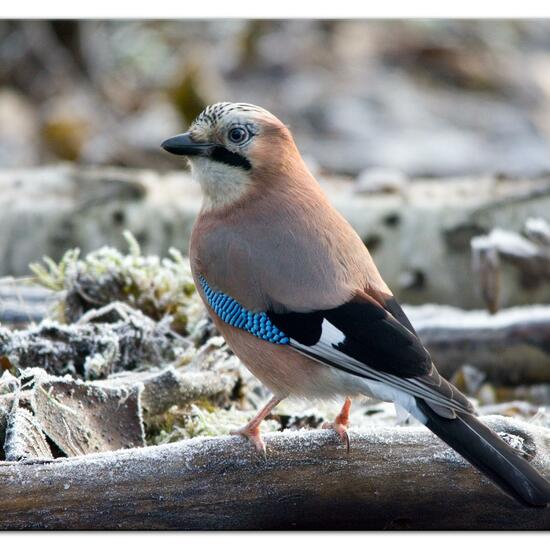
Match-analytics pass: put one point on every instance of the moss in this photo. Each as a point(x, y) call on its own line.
point(52, 275)
point(160, 288)
point(200, 419)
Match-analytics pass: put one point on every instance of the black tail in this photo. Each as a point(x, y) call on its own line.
point(484, 449)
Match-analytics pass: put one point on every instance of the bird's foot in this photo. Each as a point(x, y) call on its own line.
point(252, 430)
point(341, 431)
point(254, 436)
point(341, 423)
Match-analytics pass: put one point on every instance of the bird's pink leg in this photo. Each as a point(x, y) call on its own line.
point(252, 430)
point(341, 422)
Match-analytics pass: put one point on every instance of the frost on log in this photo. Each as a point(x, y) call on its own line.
point(393, 478)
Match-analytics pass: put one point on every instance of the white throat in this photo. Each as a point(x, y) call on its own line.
point(221, 184)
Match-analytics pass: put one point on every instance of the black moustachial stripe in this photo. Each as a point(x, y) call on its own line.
point(221, 154)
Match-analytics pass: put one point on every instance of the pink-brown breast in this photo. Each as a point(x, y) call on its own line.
point(283, 249)
point(284, 371)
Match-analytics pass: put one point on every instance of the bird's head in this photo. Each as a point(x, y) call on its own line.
point(232, 148)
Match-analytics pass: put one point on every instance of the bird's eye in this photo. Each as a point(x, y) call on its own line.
point(238, 135)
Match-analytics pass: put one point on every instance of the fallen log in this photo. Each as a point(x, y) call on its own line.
point(166, 388)
point(22, 304)
point(393, 478)
point(530, 255)
point(510, 347)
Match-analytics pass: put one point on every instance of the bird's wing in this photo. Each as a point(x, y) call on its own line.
point(376, 341)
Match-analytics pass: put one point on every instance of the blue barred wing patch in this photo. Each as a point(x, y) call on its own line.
point(234, 314)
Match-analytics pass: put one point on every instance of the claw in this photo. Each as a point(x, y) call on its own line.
point(340, 424)
point(254, 436)
point(252, 430)
point(340, 430)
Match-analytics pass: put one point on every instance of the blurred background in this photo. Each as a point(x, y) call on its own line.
point(433, 98)
point(428, 135)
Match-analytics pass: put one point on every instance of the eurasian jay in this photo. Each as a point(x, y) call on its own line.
point(298, 298)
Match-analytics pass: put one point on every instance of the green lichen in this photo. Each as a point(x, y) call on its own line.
point(52, 275)
point(159, 287)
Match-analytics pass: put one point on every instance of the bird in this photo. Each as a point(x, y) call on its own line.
point(298, 298)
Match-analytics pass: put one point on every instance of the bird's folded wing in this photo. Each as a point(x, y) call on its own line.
point(363, 338)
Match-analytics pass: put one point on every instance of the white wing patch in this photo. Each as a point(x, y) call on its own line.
point(381, 385)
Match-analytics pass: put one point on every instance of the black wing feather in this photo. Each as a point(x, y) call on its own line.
point(305, 328)
point(377, 339)
point(392, 305)
point(372, 336)
point(377, 343)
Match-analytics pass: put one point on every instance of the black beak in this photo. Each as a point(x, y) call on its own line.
point(183, 144)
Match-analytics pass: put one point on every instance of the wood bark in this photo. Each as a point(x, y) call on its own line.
point(530, 255)
point(393, 478)
point(510, 348)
